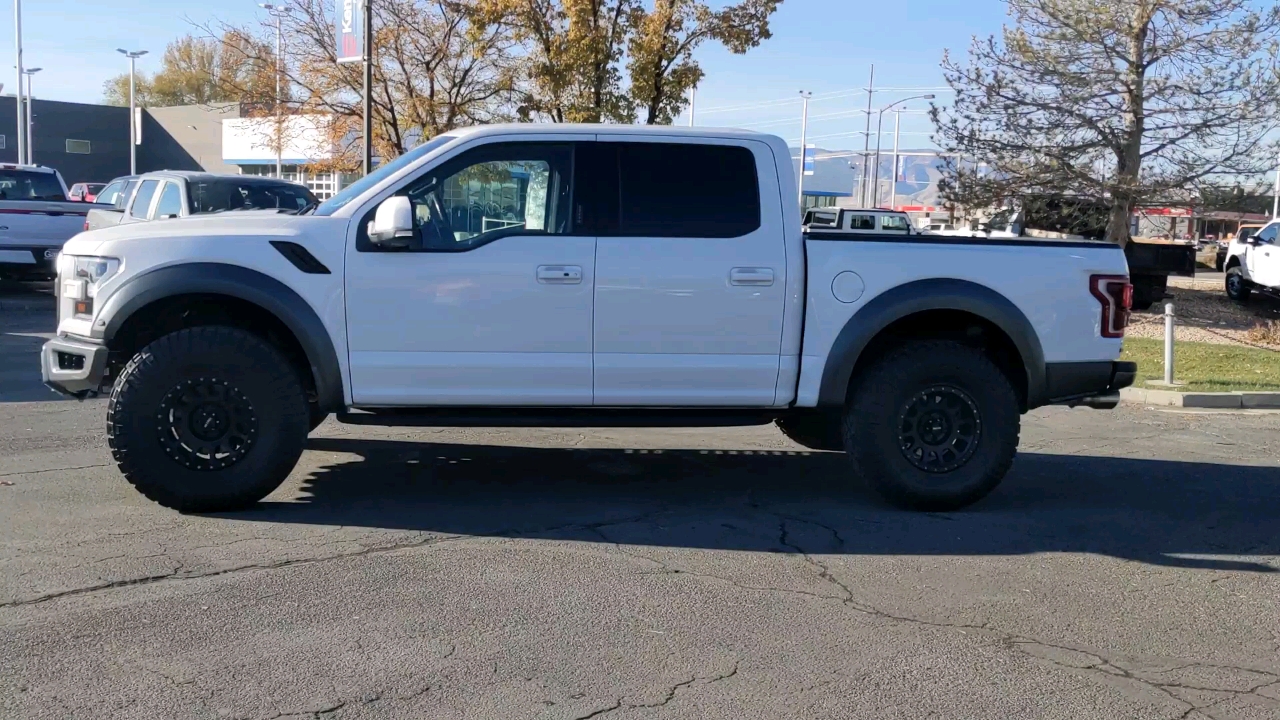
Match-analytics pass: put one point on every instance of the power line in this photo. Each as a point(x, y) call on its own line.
point(832, 95)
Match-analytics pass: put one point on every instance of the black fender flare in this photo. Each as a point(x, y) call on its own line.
point(921, 296)
point(242, 283)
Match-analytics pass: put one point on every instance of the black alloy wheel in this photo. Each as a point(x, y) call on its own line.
point(939, 429)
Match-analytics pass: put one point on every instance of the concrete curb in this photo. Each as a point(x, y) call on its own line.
point(1227, 400)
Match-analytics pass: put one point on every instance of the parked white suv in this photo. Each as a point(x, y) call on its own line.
point(1253, 263)
point(572, 274)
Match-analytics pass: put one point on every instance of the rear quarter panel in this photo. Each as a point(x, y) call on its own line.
point(1049, 284)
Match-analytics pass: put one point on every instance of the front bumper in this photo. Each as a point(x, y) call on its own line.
point(1091, 384)
point(75, 368)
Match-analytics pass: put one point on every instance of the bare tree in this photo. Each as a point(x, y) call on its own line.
point(434, 70)
point(1121, 102)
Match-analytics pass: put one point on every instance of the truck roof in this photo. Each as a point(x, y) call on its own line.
point(28, 168)
point(645, 130)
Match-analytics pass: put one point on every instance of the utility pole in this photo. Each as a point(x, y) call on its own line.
point(17, 24)
point(368, 85)
point(866, 140)
point(693, 100)
point(133, 112)
point(278, 12)
point(893, 184)
point(804, 128)
point(31, 143)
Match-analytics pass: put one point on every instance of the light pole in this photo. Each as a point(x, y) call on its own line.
point(893, 184)
point(875, 179)
point(693, 99)
point(133, 112)
point(1275, 204)
point(278, 12)
point(804, 128)
point(17, 25)
point(31, 144)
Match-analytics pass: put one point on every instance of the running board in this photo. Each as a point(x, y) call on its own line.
point(558, 417)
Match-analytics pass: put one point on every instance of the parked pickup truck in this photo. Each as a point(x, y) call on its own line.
point(36, 218)
point(178, 193)
point(1253, 263)
point(574, 275)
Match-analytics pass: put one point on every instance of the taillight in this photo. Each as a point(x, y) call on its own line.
point(86, 224)
point(1116, 296)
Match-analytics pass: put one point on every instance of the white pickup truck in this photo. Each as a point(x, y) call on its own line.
point(36, 218)
point(577, 275)
point(1253, 263)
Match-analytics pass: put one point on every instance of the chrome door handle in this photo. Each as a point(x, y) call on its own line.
point(560, 274)
point(751, 276)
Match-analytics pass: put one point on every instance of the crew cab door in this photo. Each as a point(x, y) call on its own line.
point(491, 302)
point(1263, 257)
point(690, 272)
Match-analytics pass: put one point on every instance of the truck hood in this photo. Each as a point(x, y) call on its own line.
point(240, 223)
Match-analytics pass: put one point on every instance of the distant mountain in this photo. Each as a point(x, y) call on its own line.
point(839, 171)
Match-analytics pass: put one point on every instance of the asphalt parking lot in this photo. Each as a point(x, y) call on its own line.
point(1127, 568)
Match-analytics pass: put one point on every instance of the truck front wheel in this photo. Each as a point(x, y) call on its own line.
point(1237, 286)
point(932, 425)
point(207, 419)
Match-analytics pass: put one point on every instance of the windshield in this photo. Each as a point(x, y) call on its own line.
point(222, 194)
point(28, 185)
point(1246, 233)
point(355, 189)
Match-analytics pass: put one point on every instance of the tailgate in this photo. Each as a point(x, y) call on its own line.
point(1147, 258)
point(39, 224)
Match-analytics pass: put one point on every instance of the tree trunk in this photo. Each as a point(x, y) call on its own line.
point(1118, 223)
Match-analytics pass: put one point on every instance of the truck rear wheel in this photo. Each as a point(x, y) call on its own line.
point(207, 419)
point(1237, 286)
point(816, 430)
point(932, 426)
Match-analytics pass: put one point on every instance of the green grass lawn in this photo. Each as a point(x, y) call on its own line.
point(1205, 367)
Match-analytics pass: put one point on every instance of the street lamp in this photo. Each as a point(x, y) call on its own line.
point(804, 127)
point(133, 131)
point(17, 26)
point(278, 12)
point(875, 181)
point(31, 145)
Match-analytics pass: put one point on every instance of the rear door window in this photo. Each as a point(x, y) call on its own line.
point(894, 223)
point(861, 221)
point(226, 194)
point(142, 199)
point(687, 190)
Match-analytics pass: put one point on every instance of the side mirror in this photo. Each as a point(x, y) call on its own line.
point(392, 224)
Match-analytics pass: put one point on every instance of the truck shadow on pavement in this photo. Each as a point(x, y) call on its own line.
point(1169, 513)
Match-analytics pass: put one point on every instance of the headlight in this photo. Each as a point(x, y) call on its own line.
point(81, 277)
point(94, 271)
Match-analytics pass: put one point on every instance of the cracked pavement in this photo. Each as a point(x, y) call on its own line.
point(1127, 568)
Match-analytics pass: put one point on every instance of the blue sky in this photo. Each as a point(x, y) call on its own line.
point(823, 46)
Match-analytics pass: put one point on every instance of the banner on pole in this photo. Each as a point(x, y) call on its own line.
point(350, 34)
point(809, 152)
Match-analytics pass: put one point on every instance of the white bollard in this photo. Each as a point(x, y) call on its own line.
point(1168, 344)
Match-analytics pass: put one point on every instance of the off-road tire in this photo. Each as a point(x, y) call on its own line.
point(232, 379)
point(815, 430)
point(926, 378)
point(1237, 286)
point(315, 417)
